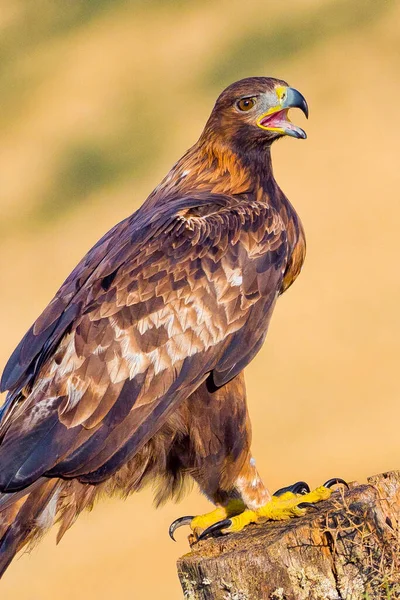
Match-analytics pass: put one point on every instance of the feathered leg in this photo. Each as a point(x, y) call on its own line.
point(217, 454)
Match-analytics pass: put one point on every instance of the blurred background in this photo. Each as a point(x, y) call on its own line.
point(98, 99)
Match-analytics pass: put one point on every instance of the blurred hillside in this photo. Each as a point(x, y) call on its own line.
point(98, 100)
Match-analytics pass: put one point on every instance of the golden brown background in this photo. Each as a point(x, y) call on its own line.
point(98, 100)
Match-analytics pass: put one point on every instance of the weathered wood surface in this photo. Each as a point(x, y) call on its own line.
point(346, 549)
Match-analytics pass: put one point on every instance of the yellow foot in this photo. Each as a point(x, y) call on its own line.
point(281, 507)
point(201, 522)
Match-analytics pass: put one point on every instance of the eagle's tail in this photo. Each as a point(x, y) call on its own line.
point(25, 516)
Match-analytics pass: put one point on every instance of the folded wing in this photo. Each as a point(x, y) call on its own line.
point(162, 301)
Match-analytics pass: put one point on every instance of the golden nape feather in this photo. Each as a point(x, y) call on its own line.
point(134, 371)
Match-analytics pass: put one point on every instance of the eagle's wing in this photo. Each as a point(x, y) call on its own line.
point(160, 302)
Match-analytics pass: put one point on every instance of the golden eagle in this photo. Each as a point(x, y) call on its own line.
point(134, 371)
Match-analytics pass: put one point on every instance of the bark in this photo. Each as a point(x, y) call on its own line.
point(346, 549)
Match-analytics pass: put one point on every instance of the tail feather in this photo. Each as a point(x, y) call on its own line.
point(25, 516)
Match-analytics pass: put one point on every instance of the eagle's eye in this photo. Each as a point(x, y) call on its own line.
point(246, 103)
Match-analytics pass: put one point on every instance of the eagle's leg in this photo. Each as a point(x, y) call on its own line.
point(216, 450)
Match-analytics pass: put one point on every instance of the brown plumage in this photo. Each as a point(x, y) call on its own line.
point(134, 371)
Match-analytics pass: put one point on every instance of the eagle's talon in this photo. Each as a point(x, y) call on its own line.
point(201, 523)
point(300, 487)
point(288, 502)
point(334, 481)
point(178, 523)
point(215, 530)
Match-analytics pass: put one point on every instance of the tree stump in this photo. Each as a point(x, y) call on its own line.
point(348, 548)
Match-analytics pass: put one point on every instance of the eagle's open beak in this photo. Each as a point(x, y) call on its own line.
point(276, 118)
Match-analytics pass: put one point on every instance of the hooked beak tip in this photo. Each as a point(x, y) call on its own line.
point(293, 99)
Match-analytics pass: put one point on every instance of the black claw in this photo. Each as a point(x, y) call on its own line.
point(215, 529)
point(178, 523)
point(300, 487)
point(334, 481)
point(307, 505)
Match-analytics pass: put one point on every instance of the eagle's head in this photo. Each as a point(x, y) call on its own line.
point(254, 111)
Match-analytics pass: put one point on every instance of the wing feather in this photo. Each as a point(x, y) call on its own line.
point(160, 302)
